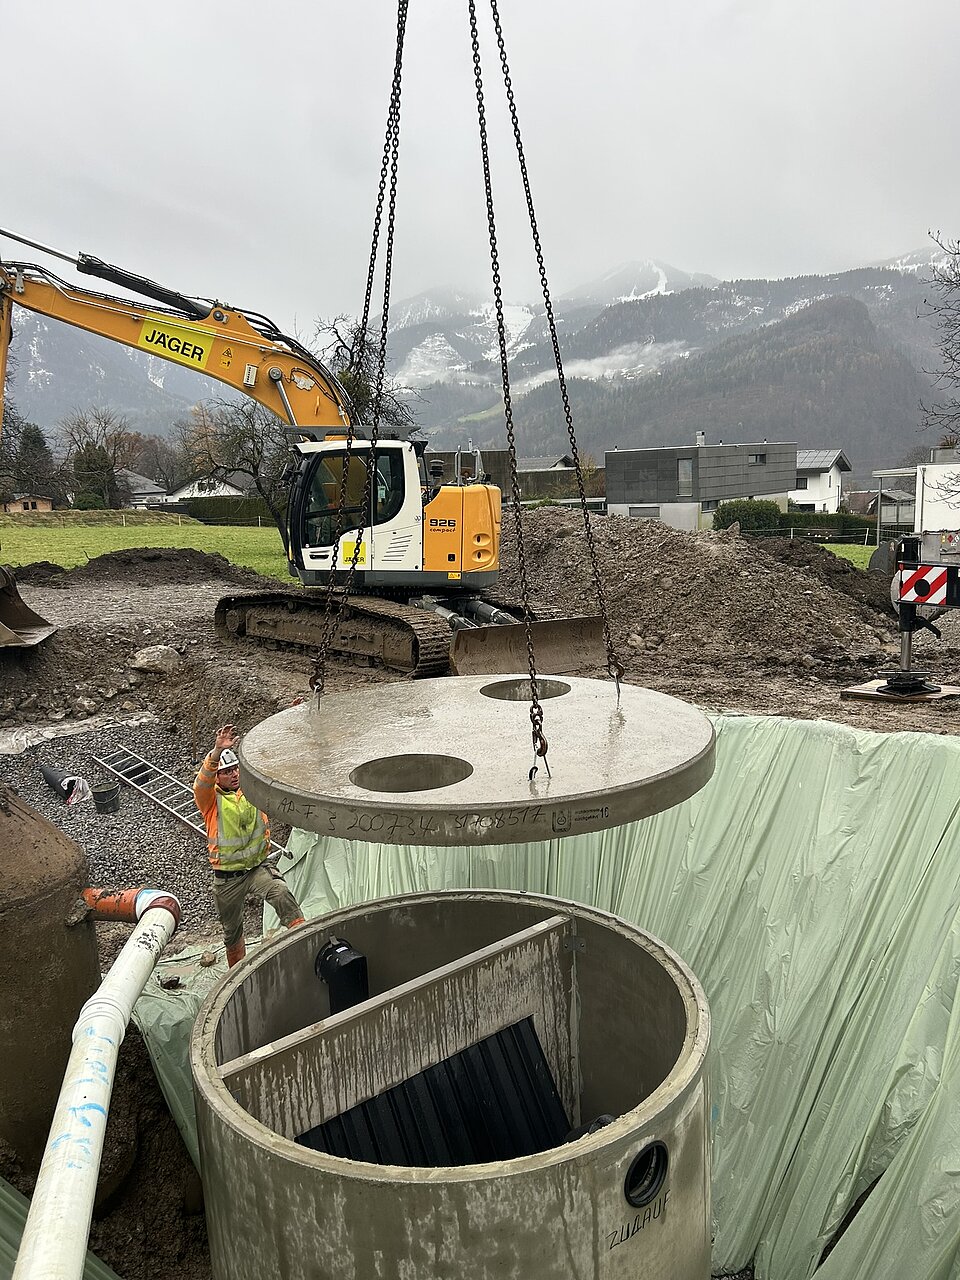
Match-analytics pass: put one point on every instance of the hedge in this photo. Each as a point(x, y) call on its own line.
point(763, 516)
point(837, 521)
point(227, 510)
point(750, 513)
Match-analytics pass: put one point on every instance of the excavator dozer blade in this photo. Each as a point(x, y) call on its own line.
point(20, 627)
point(560, 645)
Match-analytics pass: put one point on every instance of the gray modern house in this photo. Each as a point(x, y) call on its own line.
point(682, 485)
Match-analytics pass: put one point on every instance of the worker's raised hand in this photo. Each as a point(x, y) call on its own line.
point(226, 737)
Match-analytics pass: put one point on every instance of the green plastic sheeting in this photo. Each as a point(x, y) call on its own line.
point(165, 1019)
point(13, 1215)
point(814, 887)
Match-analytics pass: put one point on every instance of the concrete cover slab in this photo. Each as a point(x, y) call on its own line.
point(447, 761)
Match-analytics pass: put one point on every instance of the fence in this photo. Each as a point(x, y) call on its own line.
point(860, 538)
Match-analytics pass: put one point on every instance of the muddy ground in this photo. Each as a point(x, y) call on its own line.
point(773, 627)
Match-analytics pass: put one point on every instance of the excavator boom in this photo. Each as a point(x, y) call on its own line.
point(422, 554)
point(239, 348)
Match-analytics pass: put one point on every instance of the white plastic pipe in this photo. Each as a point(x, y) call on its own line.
point(54, 1242)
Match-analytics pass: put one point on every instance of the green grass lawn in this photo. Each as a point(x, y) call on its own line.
point(860, 556)
point(259, 549)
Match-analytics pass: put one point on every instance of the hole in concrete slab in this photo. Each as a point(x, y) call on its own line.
point(518, 690)
point(410, 773)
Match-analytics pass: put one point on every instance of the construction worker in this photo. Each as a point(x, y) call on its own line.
point(238, 839)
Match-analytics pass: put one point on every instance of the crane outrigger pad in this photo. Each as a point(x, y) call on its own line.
point(560, 645)
point(20, 626)
point(880, 691)
point(447, 761)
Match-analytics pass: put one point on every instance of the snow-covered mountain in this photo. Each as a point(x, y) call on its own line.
point(919, 263)
point(618, 332)
point(635, 280)
point(448, 336)
point(444, 335)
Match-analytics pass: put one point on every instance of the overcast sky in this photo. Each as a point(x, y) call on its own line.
point(233, 150)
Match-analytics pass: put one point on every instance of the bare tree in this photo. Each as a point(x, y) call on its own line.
point(158, 458)
point(352, 356)
point(104, 428)
point(944, 308)
point(227, 437)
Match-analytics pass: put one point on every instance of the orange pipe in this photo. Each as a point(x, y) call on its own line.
point(109, 904)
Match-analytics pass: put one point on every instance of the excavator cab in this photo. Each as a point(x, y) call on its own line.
point(414, 538)
point(331, 500)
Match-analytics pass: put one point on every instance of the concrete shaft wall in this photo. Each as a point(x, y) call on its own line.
point(47, 970)
point(636, 1029)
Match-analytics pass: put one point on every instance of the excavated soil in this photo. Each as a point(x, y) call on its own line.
point(773, 627)
point(156, 565)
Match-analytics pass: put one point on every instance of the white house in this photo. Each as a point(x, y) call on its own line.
point(143, 491)
point(819, 483)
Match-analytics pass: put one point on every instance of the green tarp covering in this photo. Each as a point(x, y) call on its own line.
point(814, 888)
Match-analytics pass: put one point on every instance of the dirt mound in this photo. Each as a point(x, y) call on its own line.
point(871, 588)
point(697, 602)
point(42, 573)
point(144, 565)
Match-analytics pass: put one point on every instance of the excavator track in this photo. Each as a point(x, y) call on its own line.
point(380, 631)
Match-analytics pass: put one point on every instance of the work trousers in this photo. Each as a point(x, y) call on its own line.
point(264, 881)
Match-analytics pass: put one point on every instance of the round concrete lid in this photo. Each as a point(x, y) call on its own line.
point(447, 761)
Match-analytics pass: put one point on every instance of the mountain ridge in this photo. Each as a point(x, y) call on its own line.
point(621, 335)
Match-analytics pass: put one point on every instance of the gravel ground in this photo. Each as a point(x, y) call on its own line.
point(140, 845)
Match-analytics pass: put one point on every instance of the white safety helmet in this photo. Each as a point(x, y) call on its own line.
point(228, 759)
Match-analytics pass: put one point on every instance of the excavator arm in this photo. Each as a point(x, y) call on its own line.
point(242, 349)
point(239, 348)
point(435, 548)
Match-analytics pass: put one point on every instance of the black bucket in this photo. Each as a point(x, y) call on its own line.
point(106, 797)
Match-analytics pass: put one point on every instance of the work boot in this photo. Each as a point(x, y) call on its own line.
point(236, 953)
point(293, 923)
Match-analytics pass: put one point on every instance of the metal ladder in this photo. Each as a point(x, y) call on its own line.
point(164, 790)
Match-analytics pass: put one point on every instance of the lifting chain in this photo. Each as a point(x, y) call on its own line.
point(536, 711)
point(614, 665)
point(388, 173)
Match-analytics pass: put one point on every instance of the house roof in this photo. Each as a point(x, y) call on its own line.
point(238, 480)
point(139, 483)
point(552, 463)
point(859, 500)
point(822, 460)
point(35, 497)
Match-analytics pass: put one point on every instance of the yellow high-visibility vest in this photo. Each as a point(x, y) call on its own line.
point(241, 834)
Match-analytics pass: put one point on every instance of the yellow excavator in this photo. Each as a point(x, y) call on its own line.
point(428, 556)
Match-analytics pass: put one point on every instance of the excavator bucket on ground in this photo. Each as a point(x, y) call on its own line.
point(20, 627)
point(561, 646)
